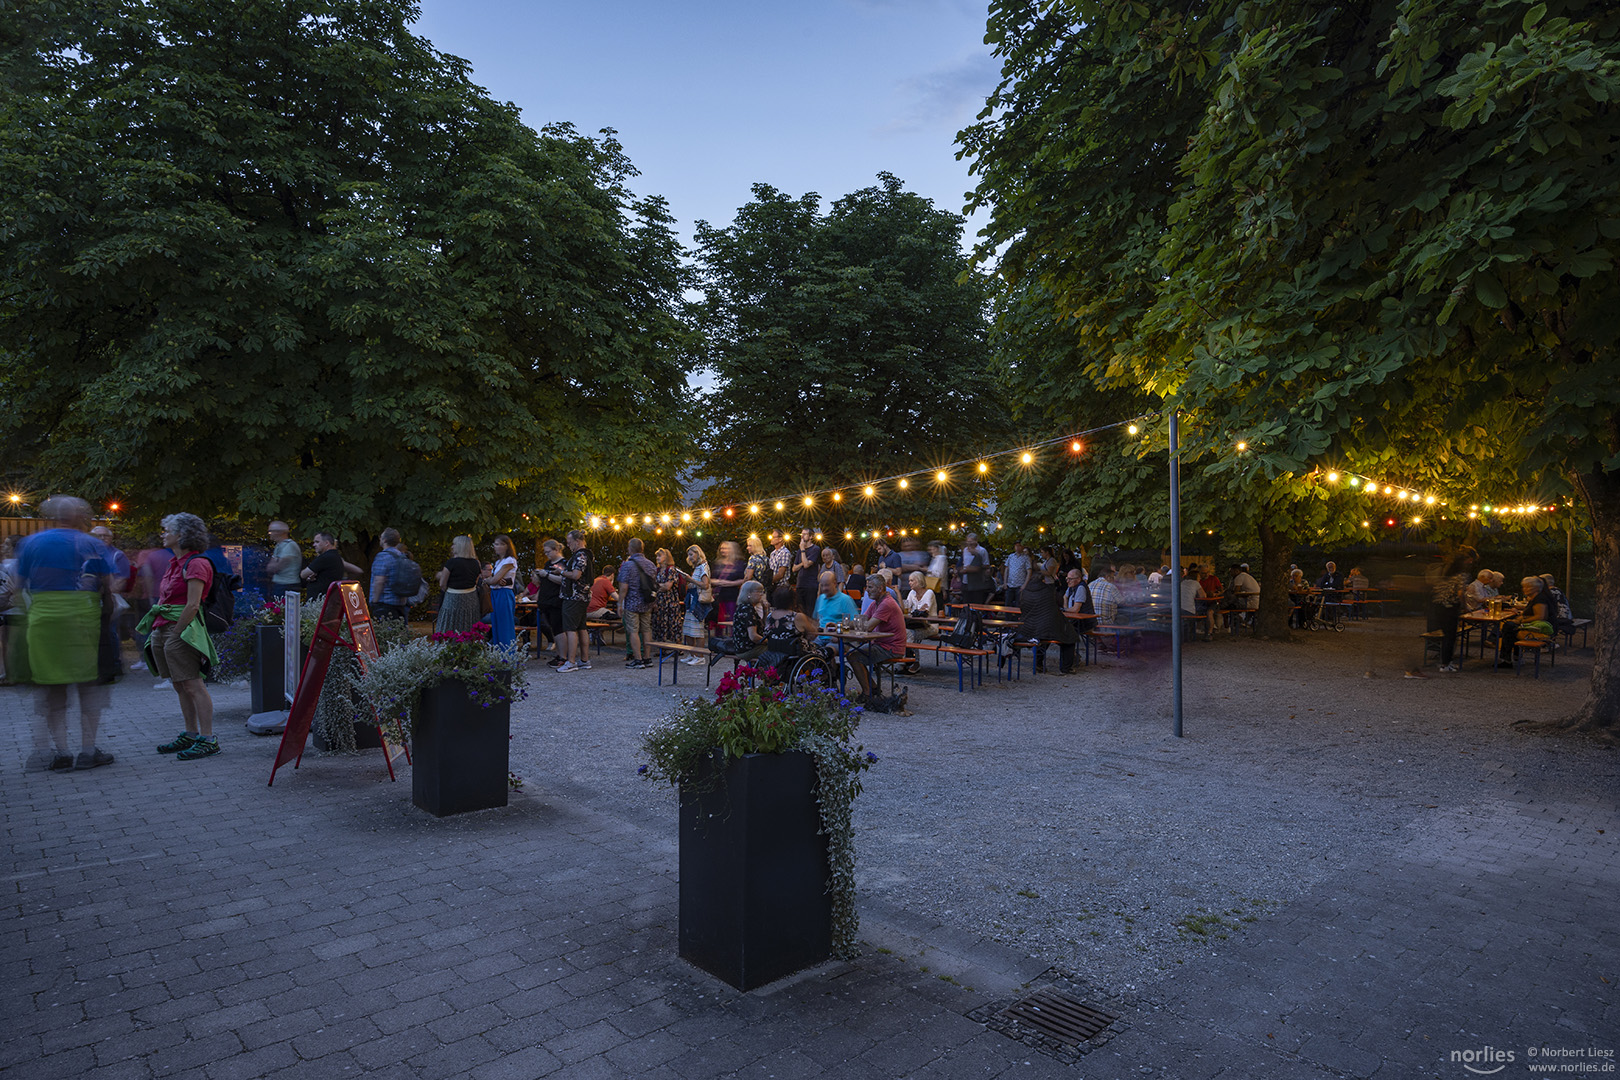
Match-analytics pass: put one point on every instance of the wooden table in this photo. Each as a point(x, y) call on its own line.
point(1490, 625)
point(842, 636)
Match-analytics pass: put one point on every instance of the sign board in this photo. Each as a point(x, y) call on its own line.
point(343, 608)
point(292, 624)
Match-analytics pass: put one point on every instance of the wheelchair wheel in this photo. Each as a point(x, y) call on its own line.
point(812, 671)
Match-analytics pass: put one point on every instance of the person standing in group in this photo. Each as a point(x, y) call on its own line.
point(976, 585)
point(574, 577)
point(179, 648)
point(638, 580)
point(807, 569)
point(458, 579)
point(699, 602)
point(728, 578)
point(666, 610)
point(1017, 570)
point(110, 658)
point(327, 568)
point(547, 578)
point(286, 561)
point(65, 572)
point(758, 566)
point(829, 562)
point(10, 606)
point(389, 595)
point(503, 599)
point(780, 560)
point(1448, 594)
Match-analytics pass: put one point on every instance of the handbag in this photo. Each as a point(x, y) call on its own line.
point(486, 602)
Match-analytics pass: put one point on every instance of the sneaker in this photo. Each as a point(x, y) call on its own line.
point(61, 763)
point(200, 747)
point(1415, 674)
point(93, 758)
point(163, 684)
point(179, 743)
point(631, 662)
point(646, 663)
point(582, 665)
point(567, 665)
point(555, 662)
point(138, 665)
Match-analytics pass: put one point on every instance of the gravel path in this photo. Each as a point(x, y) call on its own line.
point(1057, 815)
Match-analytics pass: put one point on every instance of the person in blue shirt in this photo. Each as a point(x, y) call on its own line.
point(65, 571)
point(832, 603)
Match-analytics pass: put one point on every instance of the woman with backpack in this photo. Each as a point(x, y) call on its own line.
point(179, 648)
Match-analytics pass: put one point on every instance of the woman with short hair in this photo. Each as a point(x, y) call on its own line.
point(458, 579)
point(180, 649)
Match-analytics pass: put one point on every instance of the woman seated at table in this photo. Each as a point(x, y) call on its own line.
point(787, 631)
point(1536, 619)
point(1299, 595)
point(920, 602)
point(747, 623)
point(1043, 619)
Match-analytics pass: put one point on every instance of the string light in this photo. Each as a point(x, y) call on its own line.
point(809, 500)
point(984, 467)
point(904, 483)
point(1026, 457)
point(838, 496)
point(1333, 478)
point(869, 491)
point(941, 477)
point(753, 508)
point(1132, 430)
point(1075, 446)
point(779, 504)
point(686, 519)
point(1242, 446)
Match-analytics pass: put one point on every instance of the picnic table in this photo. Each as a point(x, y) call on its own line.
point(841, 636)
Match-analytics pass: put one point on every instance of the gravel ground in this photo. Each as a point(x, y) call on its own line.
point(1058, 816)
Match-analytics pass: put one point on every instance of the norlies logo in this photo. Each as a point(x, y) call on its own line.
point(1485, 1061)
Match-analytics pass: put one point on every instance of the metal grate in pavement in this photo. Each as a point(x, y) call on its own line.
point(1059, 1016)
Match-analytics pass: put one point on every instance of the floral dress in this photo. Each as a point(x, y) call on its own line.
point(668, 607)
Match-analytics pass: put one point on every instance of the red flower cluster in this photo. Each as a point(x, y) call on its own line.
point(732, 681)
point(478, 631)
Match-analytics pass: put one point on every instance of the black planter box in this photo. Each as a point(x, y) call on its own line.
point(754, 900)
point(460, 751)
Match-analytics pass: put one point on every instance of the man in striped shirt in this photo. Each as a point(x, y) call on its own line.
point(1105, 596)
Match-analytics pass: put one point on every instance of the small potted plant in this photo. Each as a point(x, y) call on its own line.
point(452, 696)
point(768, 775)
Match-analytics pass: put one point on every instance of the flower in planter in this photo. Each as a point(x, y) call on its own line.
point(754, 712)
point(393, 684)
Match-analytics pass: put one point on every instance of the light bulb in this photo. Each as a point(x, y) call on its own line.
point(1026, 457)
point(904, 483)
point(941, 476)
point(984, 466)
point(1333, 478)
point(1131, 430)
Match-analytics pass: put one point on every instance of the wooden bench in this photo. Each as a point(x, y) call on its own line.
point(1084, 642)
point(975, 657)
point(1568, 630)
point(1104, 633)
point(1535, 645)
point(666, 647)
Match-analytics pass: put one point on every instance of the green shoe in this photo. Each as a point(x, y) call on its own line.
point(181, 741)
point(200, 747)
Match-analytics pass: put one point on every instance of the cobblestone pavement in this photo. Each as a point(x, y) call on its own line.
point(1342, 876)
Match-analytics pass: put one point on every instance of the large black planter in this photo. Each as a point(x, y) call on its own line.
point(754, 901)
point(460, 751)
point(265, 675)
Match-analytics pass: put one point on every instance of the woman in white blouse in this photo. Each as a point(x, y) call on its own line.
point(503, 610)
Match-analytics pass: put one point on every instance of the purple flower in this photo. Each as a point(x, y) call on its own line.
point(871, 758)
point(642, 771)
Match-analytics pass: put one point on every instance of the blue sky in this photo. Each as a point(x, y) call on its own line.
point(712, 97)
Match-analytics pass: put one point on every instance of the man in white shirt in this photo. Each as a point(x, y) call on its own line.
point(286, 560)
point(1480, 590)
point(1243, 594)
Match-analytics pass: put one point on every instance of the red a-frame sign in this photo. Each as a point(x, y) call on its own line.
point(344, 605)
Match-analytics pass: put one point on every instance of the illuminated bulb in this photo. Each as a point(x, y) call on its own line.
point(613, 521)
point(686, 517)
point(1487, 509)
point(1472, 514)
point(941, 477)
point(1131, 430)
point(1041, 529)
point(1363, 524)
point(1388, 490)
point(15, 498)
point(838, 496)
point(1075, 446)
point(112, 506)
point(848, 535)
point(984, 466)
point(659, 531)
point(1333, 478)
point(1242, 446)
point(647, 520)
point(664, 519)
point(615, 526)
point(707, 514)
point(904, 483)
point(818, 538)
point(779, 504)
point(809, 500)
point(680, 532)
point(753, 508)
point(731, 511)
point(868, 491)
point(1355, 481)
point(1026, 457)
point(1417, 521)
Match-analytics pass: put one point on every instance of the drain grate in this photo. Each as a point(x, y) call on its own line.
point(1059, 1016)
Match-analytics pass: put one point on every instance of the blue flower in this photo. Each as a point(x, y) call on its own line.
point(642, 771)
point(871, 758)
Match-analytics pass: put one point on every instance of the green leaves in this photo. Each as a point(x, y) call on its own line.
point(312, 271)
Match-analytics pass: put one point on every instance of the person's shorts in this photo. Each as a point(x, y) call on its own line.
point(174, 659)
point(573, 615)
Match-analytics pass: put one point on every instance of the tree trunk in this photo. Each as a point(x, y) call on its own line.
point(1602, 708)
point(1275, 552)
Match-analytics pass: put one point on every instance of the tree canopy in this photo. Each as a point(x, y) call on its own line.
point(312, 270)
point(1375, 237)
point(845, 343)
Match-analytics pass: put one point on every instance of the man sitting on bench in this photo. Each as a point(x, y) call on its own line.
point(885, 617)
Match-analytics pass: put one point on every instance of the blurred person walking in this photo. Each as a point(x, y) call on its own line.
point(179, 648)
point(286, 561)
point(64, 571)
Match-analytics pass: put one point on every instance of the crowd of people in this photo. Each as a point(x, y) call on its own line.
point(773, 599)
